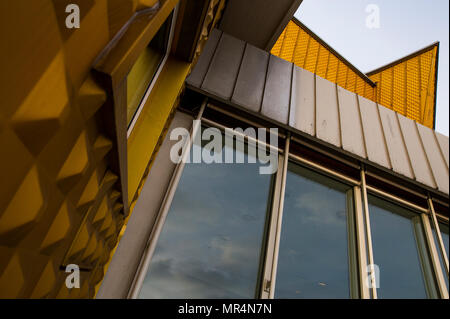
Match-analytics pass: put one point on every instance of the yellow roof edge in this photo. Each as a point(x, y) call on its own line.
point(338, 55)
point(405, 58)
point(436, 45)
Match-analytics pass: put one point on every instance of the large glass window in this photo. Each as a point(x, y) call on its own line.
point(400, 252)
point(144, 70)
point(212, 239)
point(314, 256)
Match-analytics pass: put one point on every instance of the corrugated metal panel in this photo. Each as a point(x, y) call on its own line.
point(416, 153)
point(325, 111)
point(373, 132)
point(351, 129)
point(302, 115)
point(198, 73)
point(224, 68)
point(394, 141)
point(277, 91)
point(250, 82)
point(433, 152)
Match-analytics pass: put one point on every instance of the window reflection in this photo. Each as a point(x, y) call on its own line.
point(399, 251)
point(314, 256)
point(211, 242)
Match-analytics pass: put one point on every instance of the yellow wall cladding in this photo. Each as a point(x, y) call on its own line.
point(407, 86)
point(60, 198)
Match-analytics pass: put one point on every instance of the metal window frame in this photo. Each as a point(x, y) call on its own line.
point(131, 125)
point(362, 228)
point(424, 214)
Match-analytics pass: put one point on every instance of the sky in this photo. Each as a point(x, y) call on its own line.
point(404, 27)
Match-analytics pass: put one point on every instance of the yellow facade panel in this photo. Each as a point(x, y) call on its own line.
point(407, 86)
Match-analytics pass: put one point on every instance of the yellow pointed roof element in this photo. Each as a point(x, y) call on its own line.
point(408, 85)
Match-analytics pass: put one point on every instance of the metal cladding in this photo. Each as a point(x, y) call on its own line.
point(407, 86)
point(244, 76)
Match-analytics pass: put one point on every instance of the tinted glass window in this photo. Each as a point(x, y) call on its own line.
point(399, 251)
point(313, 260)
point(211, 242)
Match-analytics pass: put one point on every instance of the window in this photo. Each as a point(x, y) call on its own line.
point(400, 252)
point(444, 234)
point(225, 235)
point(211, 242)
point(144, 71)
point(314, 255)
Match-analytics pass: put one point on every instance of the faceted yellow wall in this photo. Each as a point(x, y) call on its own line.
point(60, 201)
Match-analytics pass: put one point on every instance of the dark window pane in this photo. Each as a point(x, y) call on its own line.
point(398, 248)
point(210, 246)
point(313, 260)
point(145, 68)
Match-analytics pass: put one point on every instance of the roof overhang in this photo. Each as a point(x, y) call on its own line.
point(258, 22)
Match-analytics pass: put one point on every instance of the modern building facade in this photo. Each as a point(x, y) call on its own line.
point(91, 116)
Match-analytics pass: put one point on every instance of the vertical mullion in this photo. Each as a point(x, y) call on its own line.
point(268, 261)
point(361, 243)
point(434, 256)
point(279, 219)
point(438, 234)
point(368, 232)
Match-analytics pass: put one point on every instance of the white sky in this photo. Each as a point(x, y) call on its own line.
point(405, 27)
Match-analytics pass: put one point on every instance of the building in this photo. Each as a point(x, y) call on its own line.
point(362, 179)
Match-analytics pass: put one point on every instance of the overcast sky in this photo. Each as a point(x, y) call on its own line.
point(405, 27)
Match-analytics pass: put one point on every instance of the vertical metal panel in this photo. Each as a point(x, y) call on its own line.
point(373, 132)
point(352, 134)
point(327, 114)
point(302, 114)
point(223, 70)
point(277, 91)
point(443, 143)
point(433, 152)
point(198, 73)
point(394, 141)
point(415, 150)
point(251, 79)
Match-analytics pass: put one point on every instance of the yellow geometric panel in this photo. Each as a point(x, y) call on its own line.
point(299, 45)
point(406, 86)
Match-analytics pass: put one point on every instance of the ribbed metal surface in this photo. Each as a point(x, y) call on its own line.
point(406, 86)
point(323, 110)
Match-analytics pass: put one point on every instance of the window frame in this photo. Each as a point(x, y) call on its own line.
point(173, 16)
point(360, 226)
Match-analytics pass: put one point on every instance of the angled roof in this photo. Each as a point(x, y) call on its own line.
point(407, 85)
point(260, 27)
point(239, 74)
